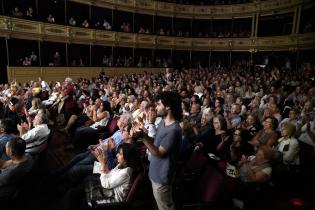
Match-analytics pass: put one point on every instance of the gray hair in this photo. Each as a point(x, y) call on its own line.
point(127, 118)
point(43, 118)
point(207, 116)
point(144, 104)
point(68, 80)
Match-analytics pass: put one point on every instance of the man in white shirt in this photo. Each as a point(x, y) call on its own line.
point(35, 138)
point(306, 133)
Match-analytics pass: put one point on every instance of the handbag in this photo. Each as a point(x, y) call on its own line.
point(232, 171)
point(95, 193)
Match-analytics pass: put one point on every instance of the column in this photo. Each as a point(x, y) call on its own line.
point(190, 57)
point(253, 25)
point(7, 50)
point(297, 16)
point(39, 54)
point(90, 59)
point(256, 25)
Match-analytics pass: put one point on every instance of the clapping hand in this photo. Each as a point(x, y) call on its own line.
point(99, 155)
point(151, 117)
point(111, 144)
point(224, 137)
point(137, 130)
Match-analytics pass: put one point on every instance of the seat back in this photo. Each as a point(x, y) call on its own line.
point(210, 184)
point(196, 163)
point(134, 188)
point(112, 125)
point(305, 154)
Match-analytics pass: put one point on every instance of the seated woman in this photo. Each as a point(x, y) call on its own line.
point(100, 117)
point(256, 168)
point(254, 171)
point(218, 140)
point(240, 145)
point(252, 124)
point(36, 105)
point(268, 135)
point(204, 130)
point(52, 98)
point(288, 146)
point(111, 185)
point(76, 121)
point(287, 154)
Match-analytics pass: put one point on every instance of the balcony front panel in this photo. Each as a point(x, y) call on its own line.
point(104, 37)
point(26, 74)
point(56, 32)
point(81, 34)
point(145, 41)
point(306, 41)
point(163, 42)
point(32, 30)
point(125, 39)
point(193, 11)
point(201, 44)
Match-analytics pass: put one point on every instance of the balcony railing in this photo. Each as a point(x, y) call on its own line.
point(33, 30)
point(198, 12)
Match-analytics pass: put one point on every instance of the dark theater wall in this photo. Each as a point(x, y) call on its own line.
point(3, 61)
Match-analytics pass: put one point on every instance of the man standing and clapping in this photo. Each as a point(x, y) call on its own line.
point(164, 148)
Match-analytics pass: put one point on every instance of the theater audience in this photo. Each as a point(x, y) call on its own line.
point(15, 170)
point(268, 135)
point(100, 117)
point(306, 132)
point(85, 24)
point(56, 59)
point(30, 13)
point(82, 164)
point(240, 146)
point(6, 134)
point(107, 25)
point(72, 22)
point(36, 137)
point(10, 111)
point(216, 103)
point(287, 153)
point(254, 171)
point(16, 12)
point(112, 185)
point(51, 19)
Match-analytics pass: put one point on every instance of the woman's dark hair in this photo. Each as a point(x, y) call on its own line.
point(131, 156)
point(94, 94)
point(196, 99)
point(186, 105)
point(221, 100)
point(244, 134)
point(8, 125)
point(17, 146)
point(222, 121)
point(107, 107)
point(172, 100)
point(274, 122)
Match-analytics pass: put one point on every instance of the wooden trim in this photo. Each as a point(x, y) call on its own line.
point(29, 30)
point(26, 74)
point(197, 12)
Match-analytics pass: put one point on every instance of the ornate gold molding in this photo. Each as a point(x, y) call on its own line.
point(26, 74)
point(32, 30)
point(198, 12)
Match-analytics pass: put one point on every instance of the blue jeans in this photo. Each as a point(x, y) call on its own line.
point(78, 168)
point(85, 136)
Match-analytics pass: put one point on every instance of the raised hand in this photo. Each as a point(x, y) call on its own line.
point(99, 155)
